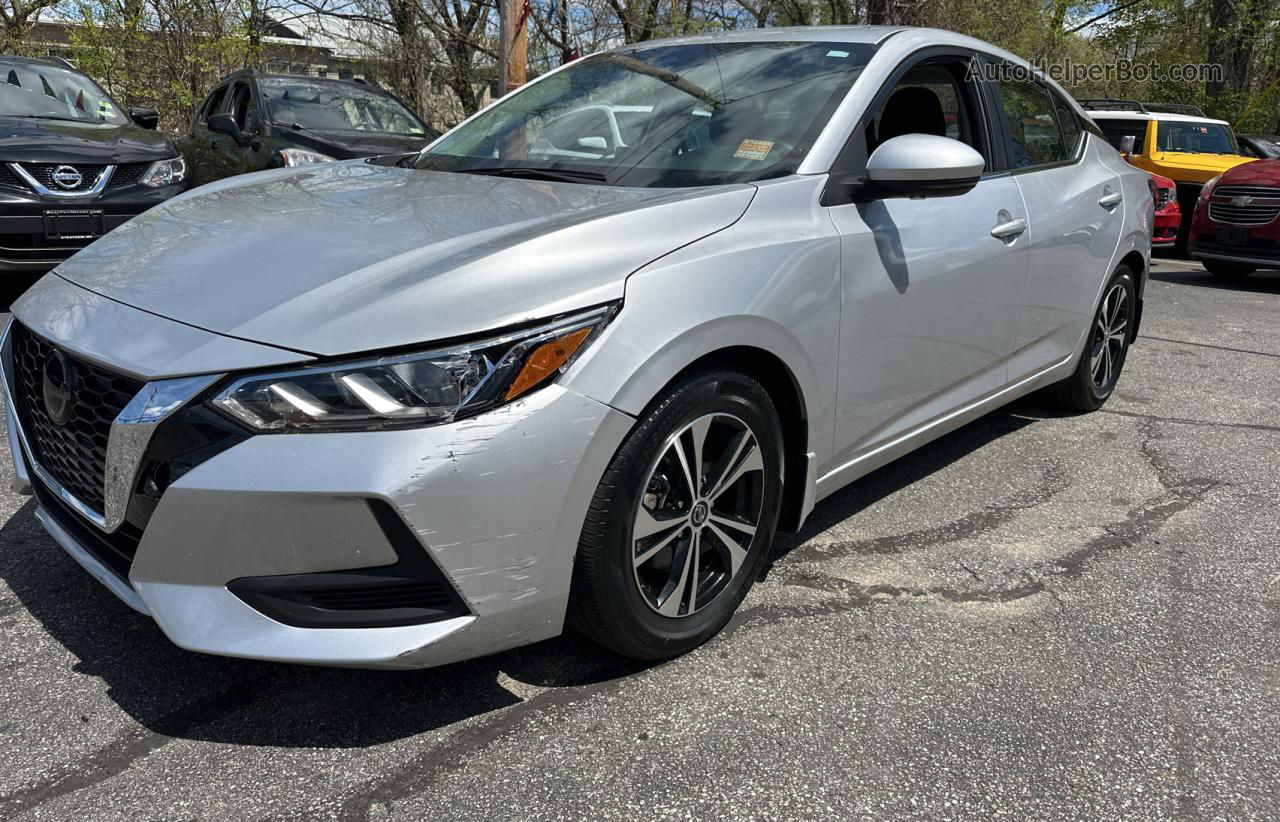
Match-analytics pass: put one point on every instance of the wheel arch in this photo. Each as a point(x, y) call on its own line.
point(780, 383)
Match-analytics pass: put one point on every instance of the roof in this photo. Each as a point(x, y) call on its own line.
point(1111, 114)
point(785, 34)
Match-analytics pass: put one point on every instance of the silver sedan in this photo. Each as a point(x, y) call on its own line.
point(579, 360)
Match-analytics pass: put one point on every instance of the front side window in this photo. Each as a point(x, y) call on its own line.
point(336, 106)
point(46, 92)
point(931, 98)
point(1197, 138)
point(677, 115)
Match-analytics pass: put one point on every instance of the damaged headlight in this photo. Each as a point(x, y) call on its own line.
point(411, 389)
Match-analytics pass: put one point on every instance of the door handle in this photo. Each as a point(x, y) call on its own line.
point(1110, 199)
point(1009, 230)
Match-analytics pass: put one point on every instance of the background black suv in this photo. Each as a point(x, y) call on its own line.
point(253, 121)
point(72, 164)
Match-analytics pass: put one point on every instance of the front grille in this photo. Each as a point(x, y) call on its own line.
point(127, 174)
point(43, 173)
point(75, 454)
point(1244, 205)
point(8, 178)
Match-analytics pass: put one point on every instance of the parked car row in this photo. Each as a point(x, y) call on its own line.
point(74, 165)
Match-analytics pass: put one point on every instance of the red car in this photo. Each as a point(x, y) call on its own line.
point(1235, 229)
point(1168, 213)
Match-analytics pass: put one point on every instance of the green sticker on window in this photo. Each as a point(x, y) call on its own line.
point(835, 53)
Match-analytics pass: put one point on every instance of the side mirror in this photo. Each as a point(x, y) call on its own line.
point(1127, 143)
point(924, 165)
point(225, 124)
point(145, 117)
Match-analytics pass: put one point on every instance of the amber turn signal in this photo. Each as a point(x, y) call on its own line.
point(546, 359)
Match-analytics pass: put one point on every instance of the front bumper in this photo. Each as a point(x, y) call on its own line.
point(495, 502)
point(24, 246)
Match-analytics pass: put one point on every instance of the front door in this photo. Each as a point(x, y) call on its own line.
point(930, 286)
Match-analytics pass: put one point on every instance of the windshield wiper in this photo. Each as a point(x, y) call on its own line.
point(554, 175)
point(54, 117)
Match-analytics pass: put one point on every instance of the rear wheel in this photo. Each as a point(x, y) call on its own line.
point(1105, 350)
point(1228, 271)
point(682, 520)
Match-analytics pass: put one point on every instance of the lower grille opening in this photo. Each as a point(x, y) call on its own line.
point(413, 591)
point(115, 550)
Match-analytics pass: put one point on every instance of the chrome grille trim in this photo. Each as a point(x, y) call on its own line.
point(127, 440)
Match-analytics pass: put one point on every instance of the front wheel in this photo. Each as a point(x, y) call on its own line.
point(1228, 271)
point(1105, 350)
point(682, 519)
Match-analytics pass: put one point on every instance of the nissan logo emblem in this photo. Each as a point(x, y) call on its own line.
point(60, 385)
point(68, 177)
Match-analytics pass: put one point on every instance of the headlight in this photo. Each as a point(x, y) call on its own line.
point(165, 173)
point(411, 389)
point(1207, 191)
point(300, 157)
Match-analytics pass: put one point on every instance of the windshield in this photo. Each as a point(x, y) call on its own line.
point(53, 93)
point(1203, 138)
point(680, 115)
point(320, 105)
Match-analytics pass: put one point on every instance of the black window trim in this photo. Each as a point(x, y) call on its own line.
point(1001, 123)
point(850, 164)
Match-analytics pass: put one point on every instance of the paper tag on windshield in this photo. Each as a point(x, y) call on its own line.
point(753, 149)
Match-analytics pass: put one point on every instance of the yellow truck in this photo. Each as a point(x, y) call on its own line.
point(1177, 141)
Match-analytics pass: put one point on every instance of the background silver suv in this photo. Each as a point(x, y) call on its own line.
point(581, 357)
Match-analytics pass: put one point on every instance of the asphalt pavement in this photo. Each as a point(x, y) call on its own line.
point(1038, 616)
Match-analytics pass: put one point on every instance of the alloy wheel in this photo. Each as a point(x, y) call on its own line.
point(1110, 336)
point(698, 515)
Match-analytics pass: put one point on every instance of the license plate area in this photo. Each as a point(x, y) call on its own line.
point(74, 224)
point(1233, 235)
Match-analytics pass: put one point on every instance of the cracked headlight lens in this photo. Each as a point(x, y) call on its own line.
point(410, 389)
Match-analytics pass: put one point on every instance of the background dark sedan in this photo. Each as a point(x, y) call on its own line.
point(1263, 146)
point(73, 165)
point(253, 121)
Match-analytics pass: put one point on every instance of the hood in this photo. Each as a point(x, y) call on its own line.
point(62, 141)
point(348, 257)
point(1257, 173)
point(351, 146)
point(1200, 167)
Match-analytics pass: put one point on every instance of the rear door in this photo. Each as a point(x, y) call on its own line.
point(930, 305)
point(1075, 212)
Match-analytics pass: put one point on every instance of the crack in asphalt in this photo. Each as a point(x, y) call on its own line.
point(1053, 481)
point(1211, 345)
point(1245, 426)
point(120, 755)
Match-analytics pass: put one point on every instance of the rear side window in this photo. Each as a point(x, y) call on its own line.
point(1116, 130)
point(1035, 136)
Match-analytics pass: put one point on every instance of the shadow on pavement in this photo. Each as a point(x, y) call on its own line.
point(1261, 282)
point(175, 693)
point(12, 287)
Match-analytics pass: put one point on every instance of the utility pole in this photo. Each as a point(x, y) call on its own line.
point(513, 52)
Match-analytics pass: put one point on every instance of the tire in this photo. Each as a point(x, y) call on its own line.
point(1228, 271)
point(1095, 377)
point(615, 599)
